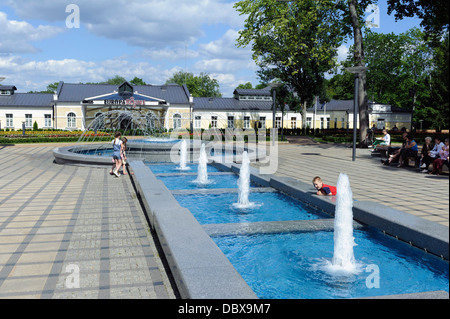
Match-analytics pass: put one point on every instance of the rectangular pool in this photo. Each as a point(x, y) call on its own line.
point(272, 206)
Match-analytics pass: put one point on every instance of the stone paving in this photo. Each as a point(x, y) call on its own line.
point(73, 232)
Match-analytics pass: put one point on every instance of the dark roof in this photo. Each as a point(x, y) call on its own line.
point(255, 92)
point(26, 99)
point(232, 104)
point(334, 105)
point(8, 88)
point(70, 92)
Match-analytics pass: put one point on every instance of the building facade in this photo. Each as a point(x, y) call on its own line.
point(168, 107)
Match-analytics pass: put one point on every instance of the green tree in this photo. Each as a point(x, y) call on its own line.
point(137, 81)
point(293, 41)
point(247, 85)
point(199, 86)
point(117, 80)
point(433, 13)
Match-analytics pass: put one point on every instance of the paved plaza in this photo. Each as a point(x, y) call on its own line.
point(405, 189)
point(77, 232)
point(72, 232)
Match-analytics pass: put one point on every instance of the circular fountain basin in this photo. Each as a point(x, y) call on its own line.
point(151, 150)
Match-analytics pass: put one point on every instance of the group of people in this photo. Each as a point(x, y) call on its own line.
point(437, 154)
point(119, 156)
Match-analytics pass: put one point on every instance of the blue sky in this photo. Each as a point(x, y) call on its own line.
point(148, 39)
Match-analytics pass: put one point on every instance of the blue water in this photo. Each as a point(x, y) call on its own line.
point(218, 208)
point(154, 141)
point(293, 266)
point(186, 182)
point(103, 152)
point(172, 168)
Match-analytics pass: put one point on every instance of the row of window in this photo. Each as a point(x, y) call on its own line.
point(231, 122)
point(322, 122)
point(71, 120)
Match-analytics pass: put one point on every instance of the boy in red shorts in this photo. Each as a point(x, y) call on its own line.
point(323, 189)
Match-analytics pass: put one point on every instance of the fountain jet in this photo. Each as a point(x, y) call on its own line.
point(344, 242)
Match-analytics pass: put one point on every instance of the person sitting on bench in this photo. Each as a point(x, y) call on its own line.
point(410, 150)
point(382, 141)
point(394, 152)
point(425, 158)
point(443, 159)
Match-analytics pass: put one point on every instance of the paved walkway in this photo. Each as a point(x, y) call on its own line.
point(423, 195)
point(64, 227)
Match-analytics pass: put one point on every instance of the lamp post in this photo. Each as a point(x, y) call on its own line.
point(357, 70)
point(274, 85)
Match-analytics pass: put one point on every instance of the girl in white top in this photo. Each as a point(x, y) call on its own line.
point(384, 141)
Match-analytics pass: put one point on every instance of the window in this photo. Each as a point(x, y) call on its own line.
point(198, 121)
point(321, 123)
point(213, 121)
point(176, 121)
point(5, 92)
point(9, 120)
point(328, 122)
point(308, 122)
point(71, 120)
point(48, 120)
point(262, 121)
point(230, 121)
point(343, 122)
point(278, 122)
point(246, 121)
point(28, 120)
point(293, 122)
point(335, 122)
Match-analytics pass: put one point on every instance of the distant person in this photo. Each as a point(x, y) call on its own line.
point(382, 141)
point(443, 159)
point(438, 145)
point(395, 128)
point(395, 152)
point(117, 146)
point(410, 150)
point(123, 155)
point(323, 189)
point(425, 158)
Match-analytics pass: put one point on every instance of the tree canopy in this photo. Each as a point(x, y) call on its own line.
point(199, 86)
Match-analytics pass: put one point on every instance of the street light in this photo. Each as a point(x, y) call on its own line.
point(357, 70)
point(274, 85)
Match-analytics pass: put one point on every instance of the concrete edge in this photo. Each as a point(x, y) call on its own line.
point(199, 267)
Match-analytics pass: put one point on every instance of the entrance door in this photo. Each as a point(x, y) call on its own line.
point(381, 124)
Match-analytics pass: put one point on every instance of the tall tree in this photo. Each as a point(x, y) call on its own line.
point(433, 13)
point(294, 41)
point(199, 86)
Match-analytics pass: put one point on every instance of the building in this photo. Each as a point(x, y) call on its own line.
point(338, 114)
point(76, 106)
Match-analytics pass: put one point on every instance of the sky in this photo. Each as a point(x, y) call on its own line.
point(43, 42)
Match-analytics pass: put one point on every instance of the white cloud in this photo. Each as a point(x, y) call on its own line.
point(36, 75)
point(342, 53)
point(17, 35)
point(150, 24)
